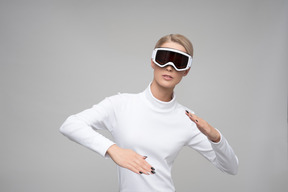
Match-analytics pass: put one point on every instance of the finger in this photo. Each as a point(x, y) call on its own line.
point(142, 171)
point(147, 166)
point(138, 168)
point(193, 117)
point(144, 166)
point(135, 169)
point(149, 171)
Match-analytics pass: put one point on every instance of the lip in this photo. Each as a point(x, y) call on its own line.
point(167, 77)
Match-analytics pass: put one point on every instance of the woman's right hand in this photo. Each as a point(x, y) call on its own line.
point(131, 160)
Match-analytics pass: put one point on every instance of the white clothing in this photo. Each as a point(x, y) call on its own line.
point(151, 128)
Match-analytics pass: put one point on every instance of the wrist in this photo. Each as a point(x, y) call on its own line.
point(215, 137)
point(111, 149)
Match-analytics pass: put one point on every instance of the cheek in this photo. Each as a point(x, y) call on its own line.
point(158, 70)
point(178, 79)
point(179, 75)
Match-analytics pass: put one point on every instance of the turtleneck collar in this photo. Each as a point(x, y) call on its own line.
point(158, 105)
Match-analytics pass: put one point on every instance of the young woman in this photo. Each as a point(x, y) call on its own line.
point(150, 128)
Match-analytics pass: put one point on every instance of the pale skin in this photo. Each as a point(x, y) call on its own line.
point(162, 87)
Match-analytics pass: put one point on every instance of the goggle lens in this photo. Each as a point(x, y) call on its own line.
point(167, 56)
point(179, 60)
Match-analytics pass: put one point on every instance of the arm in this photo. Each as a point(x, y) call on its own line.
point(82, 128)
point(211, 144)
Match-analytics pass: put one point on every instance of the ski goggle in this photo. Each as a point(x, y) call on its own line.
point(165, 56)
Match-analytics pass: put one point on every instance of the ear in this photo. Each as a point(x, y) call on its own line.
point(153, 64)
point(186, 72)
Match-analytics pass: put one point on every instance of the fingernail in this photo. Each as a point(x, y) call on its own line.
point(153, 168)
point(196, 120)
point(153, 172)
point(140, 172)
point(187, 111)
point(145, 157)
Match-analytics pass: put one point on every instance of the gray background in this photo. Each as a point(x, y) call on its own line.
point(61, 57)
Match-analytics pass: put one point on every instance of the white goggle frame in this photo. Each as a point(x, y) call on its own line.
point(171, 63)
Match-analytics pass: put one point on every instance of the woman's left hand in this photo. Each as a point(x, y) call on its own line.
point(211, 133)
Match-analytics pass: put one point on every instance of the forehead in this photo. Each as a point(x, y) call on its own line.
point(173, 45)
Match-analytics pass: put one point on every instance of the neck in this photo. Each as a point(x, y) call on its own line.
point(161, 93)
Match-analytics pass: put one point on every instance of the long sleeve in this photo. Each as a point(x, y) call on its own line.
point(220, 154)
point(82, 127)
point(150, 127)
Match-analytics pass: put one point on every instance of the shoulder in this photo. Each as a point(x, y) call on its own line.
point(181, 107)
point(122, 98)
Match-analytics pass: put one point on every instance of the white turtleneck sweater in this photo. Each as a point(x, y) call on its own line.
point(151, 128)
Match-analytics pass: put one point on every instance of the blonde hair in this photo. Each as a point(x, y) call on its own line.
point(177, 38)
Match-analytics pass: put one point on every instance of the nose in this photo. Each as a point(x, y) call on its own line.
point(169, 68)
